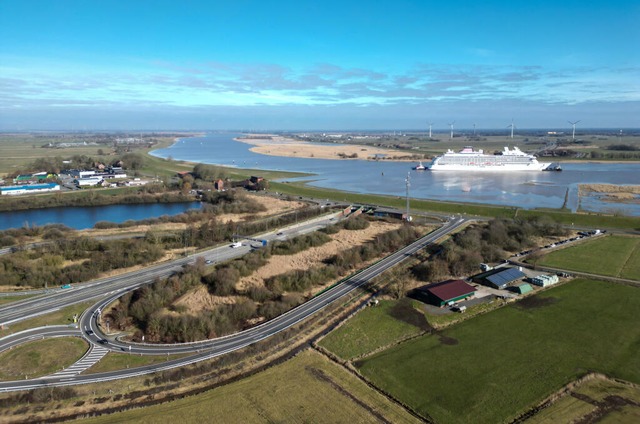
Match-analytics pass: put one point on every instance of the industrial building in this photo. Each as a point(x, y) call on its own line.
point(446, 292)
point(29, 188)
point(499, 278)
point(544, 280)
point(88, 181)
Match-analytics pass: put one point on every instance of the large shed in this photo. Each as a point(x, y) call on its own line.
point(499, 278)
point(523, 288)
point(445, 292)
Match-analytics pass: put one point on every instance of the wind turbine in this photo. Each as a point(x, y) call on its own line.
point(430, 125)
point(512, 126)
point(451, 125)
point(573, 135)
point(474, 130)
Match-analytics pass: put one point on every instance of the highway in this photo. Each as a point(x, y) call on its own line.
point(56, 299)
point(220, 346)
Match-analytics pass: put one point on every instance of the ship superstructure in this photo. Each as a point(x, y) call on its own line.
point(468, 159)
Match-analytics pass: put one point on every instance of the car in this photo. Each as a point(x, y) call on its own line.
point(89, 332)
point(103, 341)
point(208, 262)
point(280, 233)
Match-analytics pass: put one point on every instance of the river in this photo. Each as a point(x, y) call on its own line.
point(519, 189)
point(81, 218)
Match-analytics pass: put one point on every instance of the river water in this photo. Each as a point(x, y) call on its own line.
point(81, 218)
point(519, 189)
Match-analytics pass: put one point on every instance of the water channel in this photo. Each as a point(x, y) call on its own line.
point(519, 189)
point(81, 218)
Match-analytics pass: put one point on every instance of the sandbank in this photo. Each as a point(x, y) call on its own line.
point(274, 145)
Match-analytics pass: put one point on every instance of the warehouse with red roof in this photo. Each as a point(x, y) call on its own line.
point(446, 292)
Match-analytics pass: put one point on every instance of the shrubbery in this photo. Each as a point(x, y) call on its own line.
point(462, 254)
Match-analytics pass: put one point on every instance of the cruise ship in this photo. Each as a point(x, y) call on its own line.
point(468, 159)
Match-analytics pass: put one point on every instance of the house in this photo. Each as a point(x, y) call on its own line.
point(446, 292)
point(218, 185)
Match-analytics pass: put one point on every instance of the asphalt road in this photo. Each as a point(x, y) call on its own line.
point(56, 299)
point(220, 346)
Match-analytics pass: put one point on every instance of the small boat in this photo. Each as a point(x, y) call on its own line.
point(553, 167)
point(419, 167)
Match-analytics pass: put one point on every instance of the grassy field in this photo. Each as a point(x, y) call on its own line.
point(62, 317)
point(307, 388)
point(617, 256)
point(493, 367)
point(370, 329)
point(42, 357)
point(602, 398)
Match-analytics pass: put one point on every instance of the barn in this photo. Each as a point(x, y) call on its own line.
point(446, 292)
point(499, 278)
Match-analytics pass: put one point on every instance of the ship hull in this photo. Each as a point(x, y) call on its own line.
point(488, 168)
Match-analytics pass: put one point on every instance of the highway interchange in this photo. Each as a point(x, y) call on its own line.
point(109, 289)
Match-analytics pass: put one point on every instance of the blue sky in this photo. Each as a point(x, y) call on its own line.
point(304, 65)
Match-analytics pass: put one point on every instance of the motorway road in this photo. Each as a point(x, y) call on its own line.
point(33, 334)
point(216, 347)
point(60, 298)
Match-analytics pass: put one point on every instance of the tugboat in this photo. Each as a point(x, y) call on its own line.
point(553, 167)
point(419, 167)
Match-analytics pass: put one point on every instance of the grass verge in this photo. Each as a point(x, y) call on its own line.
point(502, 363)
point(42, 357)
point(62, 317)
point(118, 361)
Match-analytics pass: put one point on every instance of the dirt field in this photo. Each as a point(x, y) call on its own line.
point(281, 146)
point(201, 299)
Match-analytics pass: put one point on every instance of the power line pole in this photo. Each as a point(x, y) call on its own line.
point(408, 183)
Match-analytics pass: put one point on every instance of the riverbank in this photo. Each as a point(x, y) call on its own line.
point(274, 145)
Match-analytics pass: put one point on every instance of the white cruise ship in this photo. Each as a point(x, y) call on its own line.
point(468, 159)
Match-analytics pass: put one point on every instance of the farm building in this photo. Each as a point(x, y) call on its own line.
point(29, 188)
point(544, 280)
point(88, 181)
point(523, 288)
point(499, 278)
point(446, 292)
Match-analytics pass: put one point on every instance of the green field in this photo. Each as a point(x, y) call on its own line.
point(604, 398)
point(42, 357)
point(498, 365)
point(357, 338)
point(617, 256)
point(307, 388)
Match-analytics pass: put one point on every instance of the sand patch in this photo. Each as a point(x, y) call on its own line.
point(201, 300)
point(611, 192)
point(281, 146)
point(341, 241)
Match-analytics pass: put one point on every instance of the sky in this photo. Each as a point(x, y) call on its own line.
point(318, 65)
